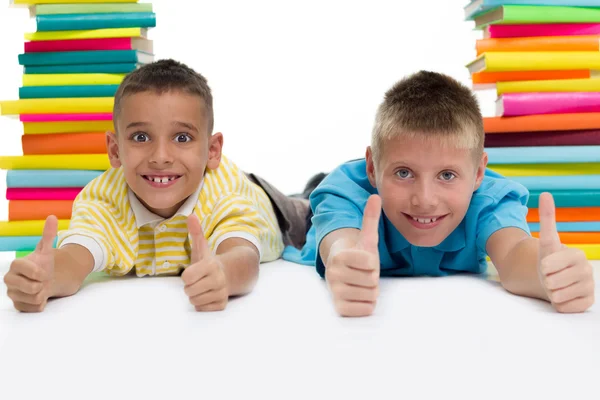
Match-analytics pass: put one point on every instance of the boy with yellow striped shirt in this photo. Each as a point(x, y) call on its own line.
point(171, 201)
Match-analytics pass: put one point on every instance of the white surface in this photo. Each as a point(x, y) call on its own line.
point(455, 337)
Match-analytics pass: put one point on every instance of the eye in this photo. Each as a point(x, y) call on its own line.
point(183, 138)
point(447, 176)
point(140, 137)
point(403, 173)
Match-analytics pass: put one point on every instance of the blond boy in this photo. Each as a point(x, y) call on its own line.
point(443, 211)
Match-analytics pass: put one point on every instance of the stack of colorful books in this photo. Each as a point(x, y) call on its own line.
point(542, 57)
point(72, 66)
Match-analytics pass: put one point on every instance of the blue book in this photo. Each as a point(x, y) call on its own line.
point(117, 68)
point(560, 182)
point(543, 155)
point(72, 22)
point(569, 226)
point(477, 7)
point(46, 178)
point(85, 57)
point(48, 92)
point(21, 243)
point(567, 198)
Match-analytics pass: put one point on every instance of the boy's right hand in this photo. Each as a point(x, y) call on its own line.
point(29, 279)
point(353, 274)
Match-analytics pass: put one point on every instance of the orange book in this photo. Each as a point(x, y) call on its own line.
point(24, 210)
point(542, 122)
point(568, 214)
point(64, 143)
point(576, 237)
point(539, 43)
point(479, 78)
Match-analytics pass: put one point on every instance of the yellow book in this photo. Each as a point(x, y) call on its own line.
point(546, 169)
point(592, 251)
point(57, 106)
point(535, 61)
point(98, 162)
point(67, 127)
point(71, 79)
point(28, 228)
point(558, 85)
point(87, 34)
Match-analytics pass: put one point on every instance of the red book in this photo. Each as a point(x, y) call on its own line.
point(127, 43)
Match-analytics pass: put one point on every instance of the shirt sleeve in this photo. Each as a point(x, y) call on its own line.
point(337, 203)
point(237, 216)
point(90, 227)
point(507, 209)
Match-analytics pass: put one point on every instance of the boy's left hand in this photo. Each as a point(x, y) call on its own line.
point(565, 273)
point(205, 281)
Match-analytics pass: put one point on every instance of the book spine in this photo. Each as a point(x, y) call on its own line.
point(68, 22)
point(533, 30)
point(113, 68)
point(78, 45)
point(39, 92)
point(65, 117)
point(516, 104)
point(79, 57)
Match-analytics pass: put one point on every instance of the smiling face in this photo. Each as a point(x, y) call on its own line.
point(426, 185)
point(162, 143)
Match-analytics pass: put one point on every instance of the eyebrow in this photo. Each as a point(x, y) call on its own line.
point(136, 125)
point(450, 167)
point(186, 125)
point(177, 123)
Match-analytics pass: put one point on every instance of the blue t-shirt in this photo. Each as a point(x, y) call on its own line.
point(338, 202)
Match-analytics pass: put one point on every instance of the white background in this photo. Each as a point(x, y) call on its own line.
point(296, 85)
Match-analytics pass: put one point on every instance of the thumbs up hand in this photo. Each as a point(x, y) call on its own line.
point(205, 281)
point(565, 273)
point(29, 279)
point(353, 274)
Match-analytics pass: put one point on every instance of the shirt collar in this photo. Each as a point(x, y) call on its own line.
point(396, 242)
point(143, 216)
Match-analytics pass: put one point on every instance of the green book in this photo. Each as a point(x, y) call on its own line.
point(512, 14)
point(89, 8)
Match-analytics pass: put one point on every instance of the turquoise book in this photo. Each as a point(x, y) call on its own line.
point(85, 57)
point(74, 22)
point(48, 92)
point(116, 68)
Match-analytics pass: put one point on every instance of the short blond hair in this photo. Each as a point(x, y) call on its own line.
point(429, 105)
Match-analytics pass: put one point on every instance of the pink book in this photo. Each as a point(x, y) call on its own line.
point(528, 30)
point(65, 117)
point(518, 104)
point(42, 193)
point(127, 43)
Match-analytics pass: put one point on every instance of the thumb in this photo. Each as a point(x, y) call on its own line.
point(369, 234)
point(199, 244)
point(549, 239)
point(46, 244)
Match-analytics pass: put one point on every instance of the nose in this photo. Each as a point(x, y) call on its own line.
point(424, 195)
point(161, 154)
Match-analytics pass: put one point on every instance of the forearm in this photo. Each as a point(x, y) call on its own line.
point(336, 241)
point(72, 264)
point(518, 271)
point(240, 265)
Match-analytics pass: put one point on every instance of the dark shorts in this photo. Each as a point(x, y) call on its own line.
point(292, 213)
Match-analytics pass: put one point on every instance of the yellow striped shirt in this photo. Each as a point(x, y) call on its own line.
point(109, 217)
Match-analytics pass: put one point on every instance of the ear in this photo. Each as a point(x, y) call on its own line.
point(481, 170)
point(112, 147)
point(215, 146)
point(371, 167)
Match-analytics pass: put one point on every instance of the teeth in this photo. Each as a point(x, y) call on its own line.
point(157, 179)
point(424, 220)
